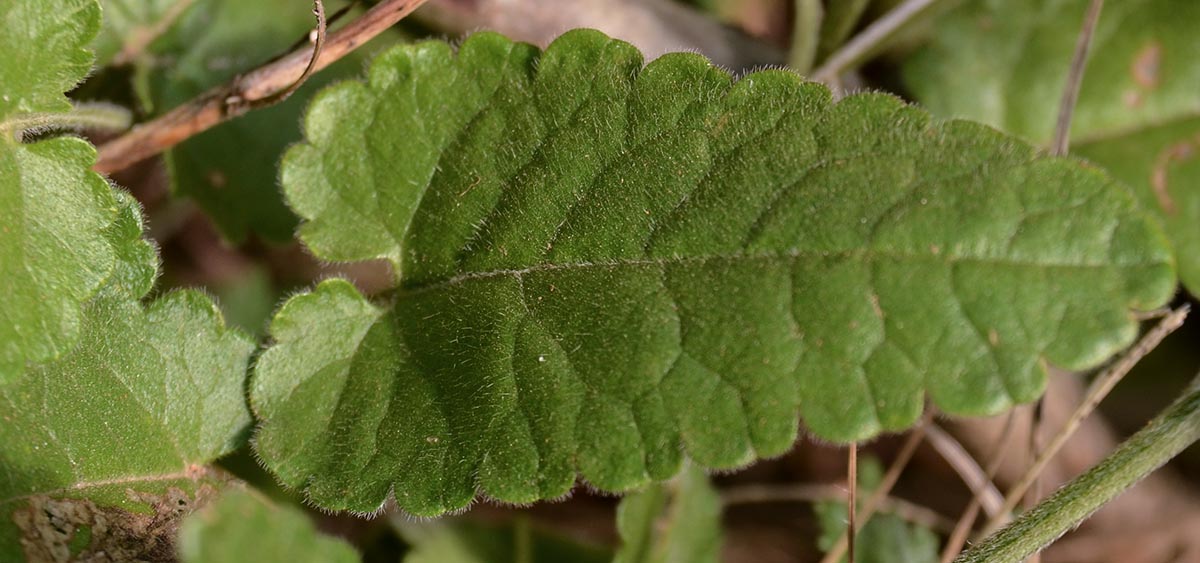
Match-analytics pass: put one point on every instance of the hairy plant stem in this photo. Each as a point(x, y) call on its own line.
point(94, 116)
point(247, 91)
point(1162, 439)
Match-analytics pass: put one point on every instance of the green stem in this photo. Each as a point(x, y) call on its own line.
point(806, 35)
point(523, 540)
point(98, 116)
point(840, 19)
point(1168, 434)
point(862, 46)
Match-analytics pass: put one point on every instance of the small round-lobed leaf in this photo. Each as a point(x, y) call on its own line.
point(125, 422)
point(53, 209)
point(241, 526)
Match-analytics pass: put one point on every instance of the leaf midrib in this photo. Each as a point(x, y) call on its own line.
point(865, 255)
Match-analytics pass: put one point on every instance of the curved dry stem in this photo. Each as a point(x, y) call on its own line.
point(1066, 107)
point(317, 38)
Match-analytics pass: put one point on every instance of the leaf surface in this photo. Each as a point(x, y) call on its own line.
point(674, 522)
point(604, 267)
point(1005, 63)
point(53, 209)
point(241, 526)
point(110, 441)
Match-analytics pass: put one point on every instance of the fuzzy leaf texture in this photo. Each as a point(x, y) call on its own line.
point(53, 209)
point(103, 449)
point(676, 522)
point(605, 268)
point(1139, 104)
point(241, 526)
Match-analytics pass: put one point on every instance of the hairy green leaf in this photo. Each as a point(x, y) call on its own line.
point(604, 268)
point(53, 209)
point(677, 522)
point(241, 526)
point(230, 170)
point(123, 424)
point(1139, 104)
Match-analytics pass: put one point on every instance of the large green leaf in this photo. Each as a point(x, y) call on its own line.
point(241, 526)
point(103, 448)
point(1005, 63)
point(230, 170)
point(605, 268)
point(53, 209)
point(678, 522)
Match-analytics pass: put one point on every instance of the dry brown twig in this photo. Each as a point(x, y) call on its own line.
point(1066, 107)
point(317, 38)
point(265, 85)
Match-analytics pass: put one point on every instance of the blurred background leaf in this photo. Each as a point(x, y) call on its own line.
point(1005, 63)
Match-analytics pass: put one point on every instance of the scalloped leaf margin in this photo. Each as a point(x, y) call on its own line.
point(604, 268)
